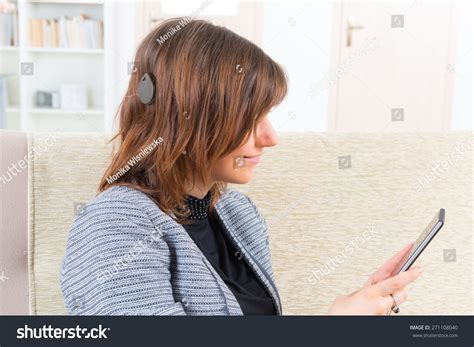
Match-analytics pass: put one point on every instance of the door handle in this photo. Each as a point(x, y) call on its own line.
point(351, 27)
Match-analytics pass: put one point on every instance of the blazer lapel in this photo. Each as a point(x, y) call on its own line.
point(232, 304)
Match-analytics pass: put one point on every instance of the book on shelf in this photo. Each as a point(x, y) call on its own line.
point(8, 24)
point(78, 32)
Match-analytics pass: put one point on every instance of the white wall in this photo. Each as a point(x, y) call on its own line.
point(462, 101)
point(297, 35)
point(121, 51)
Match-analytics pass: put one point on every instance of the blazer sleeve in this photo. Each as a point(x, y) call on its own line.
point(117, 263)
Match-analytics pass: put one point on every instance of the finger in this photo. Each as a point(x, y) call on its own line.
point(397, 282)
point(387, 302)
point(400, 296)
point(387, 268)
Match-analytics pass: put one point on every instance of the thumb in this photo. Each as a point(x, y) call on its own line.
point(386, 269)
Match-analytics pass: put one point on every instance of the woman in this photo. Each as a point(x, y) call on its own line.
point(165, 236)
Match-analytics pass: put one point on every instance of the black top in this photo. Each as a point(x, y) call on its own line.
point(208, 234)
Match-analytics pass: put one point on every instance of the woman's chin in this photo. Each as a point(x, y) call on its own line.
point(241, 177)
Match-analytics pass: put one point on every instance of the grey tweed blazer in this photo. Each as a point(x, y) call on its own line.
point(125, 256)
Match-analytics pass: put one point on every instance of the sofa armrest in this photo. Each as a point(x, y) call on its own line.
point(13, 224)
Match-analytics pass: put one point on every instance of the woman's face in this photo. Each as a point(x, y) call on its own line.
point(238, 166)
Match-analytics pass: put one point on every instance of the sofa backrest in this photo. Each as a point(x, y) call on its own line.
point(337, 206)
point(324, 194)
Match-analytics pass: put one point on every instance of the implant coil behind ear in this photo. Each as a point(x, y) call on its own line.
point(146, 89)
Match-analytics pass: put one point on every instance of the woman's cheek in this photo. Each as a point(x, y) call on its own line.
point(232, 171)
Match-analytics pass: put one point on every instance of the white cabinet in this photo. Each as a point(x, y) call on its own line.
point(32, 68)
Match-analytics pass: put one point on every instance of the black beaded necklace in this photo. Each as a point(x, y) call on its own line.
point(198, 207)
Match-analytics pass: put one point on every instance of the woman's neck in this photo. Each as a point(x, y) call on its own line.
point(198, 190)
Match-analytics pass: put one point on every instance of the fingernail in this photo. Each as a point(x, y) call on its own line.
point(418, 269)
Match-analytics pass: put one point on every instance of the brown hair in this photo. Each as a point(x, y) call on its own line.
point(212, 86)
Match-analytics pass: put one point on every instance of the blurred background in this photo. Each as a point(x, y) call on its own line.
point(353, 66)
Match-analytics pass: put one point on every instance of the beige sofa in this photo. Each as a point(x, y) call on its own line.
point(319, 193)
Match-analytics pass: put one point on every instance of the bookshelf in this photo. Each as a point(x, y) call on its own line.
point(54, 66)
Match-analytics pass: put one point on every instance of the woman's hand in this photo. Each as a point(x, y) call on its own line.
point(374, 297)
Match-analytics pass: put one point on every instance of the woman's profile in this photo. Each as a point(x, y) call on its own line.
point(164, 235)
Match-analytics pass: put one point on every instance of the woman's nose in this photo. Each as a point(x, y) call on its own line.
point(266, 135)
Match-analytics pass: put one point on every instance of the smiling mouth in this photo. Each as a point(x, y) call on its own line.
point(252, 156)
point(254, 159)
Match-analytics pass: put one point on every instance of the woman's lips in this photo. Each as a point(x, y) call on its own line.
point(256, 159)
